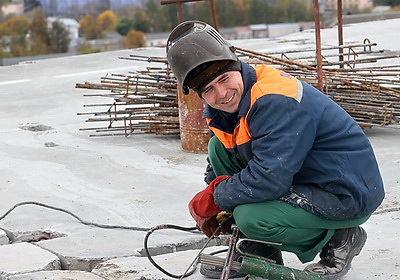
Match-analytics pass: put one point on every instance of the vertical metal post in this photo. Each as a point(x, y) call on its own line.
point(179, 11)
point(214, 14)
point(340, 30)
point(318, 45)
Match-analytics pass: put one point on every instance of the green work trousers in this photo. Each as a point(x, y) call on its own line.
point(298, 230)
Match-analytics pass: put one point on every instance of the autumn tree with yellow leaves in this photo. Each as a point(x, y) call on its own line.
point(88, 28)
point(93, 28)
point(135, 39)
point(107, 20)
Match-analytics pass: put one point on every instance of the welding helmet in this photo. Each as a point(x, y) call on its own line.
point(197, 54)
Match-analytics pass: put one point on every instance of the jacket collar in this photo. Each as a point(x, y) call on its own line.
point(249, 79)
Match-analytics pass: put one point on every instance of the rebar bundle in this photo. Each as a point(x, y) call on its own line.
point(146, 101)
point(370, 94)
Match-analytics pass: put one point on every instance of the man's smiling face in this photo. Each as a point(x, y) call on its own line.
point(224, 92)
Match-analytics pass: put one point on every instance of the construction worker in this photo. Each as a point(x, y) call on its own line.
point(289, 163)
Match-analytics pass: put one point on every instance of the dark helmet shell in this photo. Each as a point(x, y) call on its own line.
point(193, 43)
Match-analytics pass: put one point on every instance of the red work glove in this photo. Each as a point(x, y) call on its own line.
point(204, 210)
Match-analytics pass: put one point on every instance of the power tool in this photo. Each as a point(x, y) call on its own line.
point(253, 265)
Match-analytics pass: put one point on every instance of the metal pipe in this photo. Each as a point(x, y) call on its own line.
point(262, 268)
point(214, 14)
point(318, 45)
point(340, 29)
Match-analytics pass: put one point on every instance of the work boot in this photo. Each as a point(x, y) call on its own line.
point(247, 247)
point(337, 254)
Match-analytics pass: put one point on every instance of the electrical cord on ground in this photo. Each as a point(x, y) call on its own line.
point(73, 215)
point(149, 231)
point(145, 246)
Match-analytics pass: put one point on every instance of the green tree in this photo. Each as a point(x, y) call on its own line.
point(293, 11)
point(124, 25)
point(391, 3)
point(199, 11)
point(142, 20)
point(59, 38)
point(259, 11)
point(40, 39)
point(227, 12)
point(170, 15)
point(158, 19)
point(245, 12)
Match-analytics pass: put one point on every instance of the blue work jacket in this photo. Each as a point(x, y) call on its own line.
point(297, 145)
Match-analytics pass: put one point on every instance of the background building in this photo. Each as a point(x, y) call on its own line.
point(77, 7)
point(348, 5)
